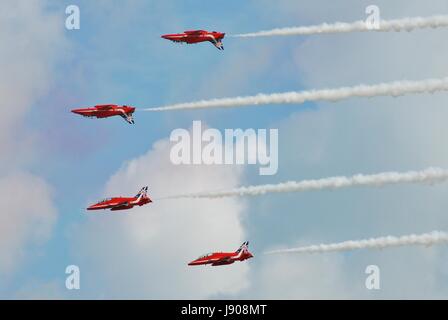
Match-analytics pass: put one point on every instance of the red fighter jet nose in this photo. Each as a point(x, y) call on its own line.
point(77, 111)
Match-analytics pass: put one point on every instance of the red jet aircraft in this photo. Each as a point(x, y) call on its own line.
point(195, 36)
point(223, 258)
point(108, 110)
point(121, 203)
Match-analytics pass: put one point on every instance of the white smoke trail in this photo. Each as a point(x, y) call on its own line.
point(405, 24)
point(429, 176)
point(426, 239)
point(394, 89)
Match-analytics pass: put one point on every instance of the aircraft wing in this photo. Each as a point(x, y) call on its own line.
point(195, 32)
point(223, 259)
point(174, 40)
point(104, 107)
point(121, 205)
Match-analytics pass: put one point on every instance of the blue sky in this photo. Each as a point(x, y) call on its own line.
point(118, 57)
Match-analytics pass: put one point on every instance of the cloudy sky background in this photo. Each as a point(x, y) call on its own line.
point(54, 164)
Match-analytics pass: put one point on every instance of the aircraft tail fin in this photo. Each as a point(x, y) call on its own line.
point(142, 193)
point(244, 247)
point(127, 117)
point(218, 44)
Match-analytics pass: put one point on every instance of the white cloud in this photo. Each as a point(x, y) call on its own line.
point(26, 217)
point(31, 38)
point(144, 252)
point(293, 278)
